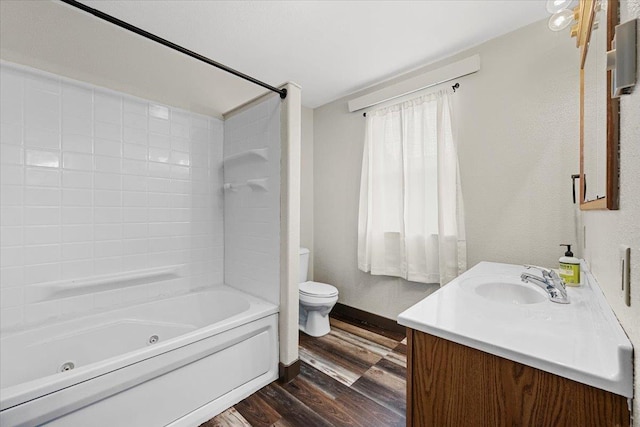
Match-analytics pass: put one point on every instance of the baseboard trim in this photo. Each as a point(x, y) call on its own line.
point(365, 317)
point(287, 373)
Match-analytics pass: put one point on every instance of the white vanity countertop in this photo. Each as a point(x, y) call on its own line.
point(582, 341)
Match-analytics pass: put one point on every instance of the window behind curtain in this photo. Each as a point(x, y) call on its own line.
point(401, 221)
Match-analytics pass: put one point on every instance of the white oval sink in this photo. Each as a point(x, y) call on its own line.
point(509, 293)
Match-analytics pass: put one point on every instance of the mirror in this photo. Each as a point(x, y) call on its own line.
point(598, 111)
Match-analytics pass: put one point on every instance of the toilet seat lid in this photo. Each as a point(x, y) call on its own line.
point(318, 289)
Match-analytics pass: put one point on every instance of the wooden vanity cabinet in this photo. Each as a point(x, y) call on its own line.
point(449, 384)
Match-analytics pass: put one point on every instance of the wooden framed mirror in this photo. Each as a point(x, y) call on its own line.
point(599, 118)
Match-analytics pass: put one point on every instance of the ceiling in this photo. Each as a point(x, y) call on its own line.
point(330, 48)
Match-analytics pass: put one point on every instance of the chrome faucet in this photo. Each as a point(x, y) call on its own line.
point(550, 281)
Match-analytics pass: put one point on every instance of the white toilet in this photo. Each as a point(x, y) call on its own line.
point(316, 301)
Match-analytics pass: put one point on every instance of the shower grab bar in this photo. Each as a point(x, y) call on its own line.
point(62, 288)
point(258, 152)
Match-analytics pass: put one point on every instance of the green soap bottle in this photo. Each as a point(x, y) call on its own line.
point(570, 268)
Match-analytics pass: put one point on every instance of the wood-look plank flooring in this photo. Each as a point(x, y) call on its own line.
point(354, 376)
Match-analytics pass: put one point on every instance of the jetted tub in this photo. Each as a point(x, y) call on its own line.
point(177, 361)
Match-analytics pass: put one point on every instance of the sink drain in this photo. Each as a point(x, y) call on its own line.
point(66, 367)
point(153, 339)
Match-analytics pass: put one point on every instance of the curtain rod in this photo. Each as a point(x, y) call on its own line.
point(454, 87)
point(171, 45)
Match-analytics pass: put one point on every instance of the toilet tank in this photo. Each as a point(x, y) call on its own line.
point(304, 264)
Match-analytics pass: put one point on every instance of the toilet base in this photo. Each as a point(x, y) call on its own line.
point(316, 324)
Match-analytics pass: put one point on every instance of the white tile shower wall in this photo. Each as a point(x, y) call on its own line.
point(252, 214)
point(95, 182)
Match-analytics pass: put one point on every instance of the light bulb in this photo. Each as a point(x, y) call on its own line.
point(560, 20)
point(554, 6)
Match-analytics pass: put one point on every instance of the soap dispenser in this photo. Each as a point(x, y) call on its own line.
point(570, 268)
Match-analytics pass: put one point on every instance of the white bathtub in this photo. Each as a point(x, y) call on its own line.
point(177, 361)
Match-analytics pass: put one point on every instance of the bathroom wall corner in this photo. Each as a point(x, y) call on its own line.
point(289, 223)
point(606, 231)
point(306, 186)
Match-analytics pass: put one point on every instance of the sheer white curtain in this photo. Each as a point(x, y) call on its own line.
point(411, 220)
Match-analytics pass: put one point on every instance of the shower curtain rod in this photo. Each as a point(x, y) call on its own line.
point(454, 87)
point(167, 43)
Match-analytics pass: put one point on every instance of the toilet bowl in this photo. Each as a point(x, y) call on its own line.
point(316, 301)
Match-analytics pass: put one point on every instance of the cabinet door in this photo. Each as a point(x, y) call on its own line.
point(454, 385)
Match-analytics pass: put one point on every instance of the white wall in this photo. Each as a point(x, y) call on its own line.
point(607, 230)
point(518, 145)
point(252, 216)
point(291, 135)
point(306, 186)
point(96, 182)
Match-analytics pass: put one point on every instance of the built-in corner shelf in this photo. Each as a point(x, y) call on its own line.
point(260, 153)
point(259, 184)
